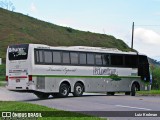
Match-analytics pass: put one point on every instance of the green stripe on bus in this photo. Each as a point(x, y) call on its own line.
point(68, 76)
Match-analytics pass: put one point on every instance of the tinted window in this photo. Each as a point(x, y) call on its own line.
point(90, 58)
point(74, 57)
point(131, 61)
point(143, 68)
point(47, 56)
point(56, 57)
point(66, 58)
point(143, 59)
point(39, 56)
point(98, 58)
point(82, 58)
point(116, 59)
point(105, 59)
point(18, 52)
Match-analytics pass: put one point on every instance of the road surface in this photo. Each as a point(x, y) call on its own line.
point(91, 102)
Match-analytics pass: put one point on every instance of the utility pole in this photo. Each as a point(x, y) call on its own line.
point(132, 35)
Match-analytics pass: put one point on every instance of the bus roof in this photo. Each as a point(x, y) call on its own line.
point(84, 49)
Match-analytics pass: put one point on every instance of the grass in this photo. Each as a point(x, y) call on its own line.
point(2, 84)
point(2, 74)
point(21, 107)
point(2, 78)
point(16, 28)
point(151, 92)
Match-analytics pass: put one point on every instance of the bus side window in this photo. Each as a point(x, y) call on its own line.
point(143, 68)
point(39, 56)
point(82, 58)
point(116, 59)
point(98, 58)
point(36, 56)
point(56, 57)
point(143, 59)
point(90, 59)
point(48, 57)
point(105, 59)
point(131, 61)
point(74, 57)
point(65, 58)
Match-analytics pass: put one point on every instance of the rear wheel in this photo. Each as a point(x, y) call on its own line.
point(41, 95)
point(78, 90)
point(63, 90)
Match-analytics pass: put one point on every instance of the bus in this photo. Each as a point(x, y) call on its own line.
point(47, 70)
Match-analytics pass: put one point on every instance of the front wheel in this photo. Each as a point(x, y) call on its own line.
point(133, 90)
point(78, 90)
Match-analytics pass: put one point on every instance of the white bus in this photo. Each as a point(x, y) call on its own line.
point(46, 70)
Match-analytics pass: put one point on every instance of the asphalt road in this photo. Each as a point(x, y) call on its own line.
point(91, 102)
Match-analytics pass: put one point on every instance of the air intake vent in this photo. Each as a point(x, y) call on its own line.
point(40, 82)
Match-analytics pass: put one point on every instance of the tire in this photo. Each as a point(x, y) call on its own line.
point(110, 93)
point(78, 90)
point(127, 93)
point(41, 95)
point(133, 90)
point(63, 90)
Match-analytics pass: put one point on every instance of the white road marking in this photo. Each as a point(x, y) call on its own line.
point(132, 107)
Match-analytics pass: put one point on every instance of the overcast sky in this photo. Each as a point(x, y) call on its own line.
point(113, 17)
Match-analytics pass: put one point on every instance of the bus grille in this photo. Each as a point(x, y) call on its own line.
point(40, 82)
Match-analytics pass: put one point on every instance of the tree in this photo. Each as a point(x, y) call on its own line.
point(7, 4)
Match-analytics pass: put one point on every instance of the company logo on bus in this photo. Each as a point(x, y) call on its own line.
point(20, 51)
point(104, 71)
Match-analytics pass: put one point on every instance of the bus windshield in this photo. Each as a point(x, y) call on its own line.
point(18, 52)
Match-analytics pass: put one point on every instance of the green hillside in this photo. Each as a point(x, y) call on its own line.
point(17, 28)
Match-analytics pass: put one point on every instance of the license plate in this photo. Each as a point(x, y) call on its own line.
point(17, 80)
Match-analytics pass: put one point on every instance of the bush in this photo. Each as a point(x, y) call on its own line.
point(2, 72)
point(156, 78)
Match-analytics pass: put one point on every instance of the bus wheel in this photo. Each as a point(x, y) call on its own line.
point(63, 90)
point(78, 90)
point(133, 90)
point(110, 93)
point(41, 95)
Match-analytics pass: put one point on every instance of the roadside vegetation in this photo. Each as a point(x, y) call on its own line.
point(155, 87)
point(155, 77)
point(2, 74)
point(48, 113)
point(148, 93)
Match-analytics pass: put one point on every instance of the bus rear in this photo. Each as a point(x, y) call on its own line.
point(18, 64)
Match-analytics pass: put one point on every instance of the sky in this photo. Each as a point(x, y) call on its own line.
point(111, 17)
